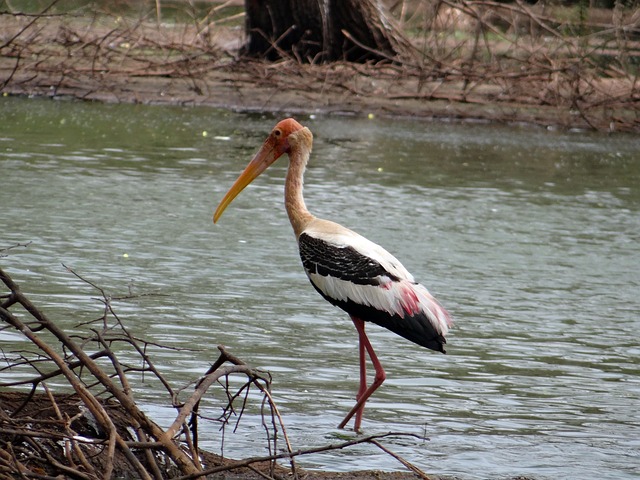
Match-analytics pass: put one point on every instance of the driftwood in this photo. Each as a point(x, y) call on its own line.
point(93, 428)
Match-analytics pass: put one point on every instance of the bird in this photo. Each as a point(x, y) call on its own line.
point(348, 270)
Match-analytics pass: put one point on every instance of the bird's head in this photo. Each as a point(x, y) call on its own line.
point(281, 139)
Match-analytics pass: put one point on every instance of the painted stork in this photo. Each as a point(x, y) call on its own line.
point(348, 270)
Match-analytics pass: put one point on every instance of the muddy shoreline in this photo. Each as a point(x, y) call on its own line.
point(247, 86)
point(87, 59)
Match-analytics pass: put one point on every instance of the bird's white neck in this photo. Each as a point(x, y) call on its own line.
point(299, 153)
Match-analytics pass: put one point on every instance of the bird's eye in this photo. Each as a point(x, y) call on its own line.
point(277, 132)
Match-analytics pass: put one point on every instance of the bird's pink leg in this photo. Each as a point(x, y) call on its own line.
point(363, 372)
point(364, 393)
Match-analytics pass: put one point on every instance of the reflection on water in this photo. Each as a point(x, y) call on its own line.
point(530, 238)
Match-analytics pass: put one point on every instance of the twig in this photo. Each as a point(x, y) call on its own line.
point(404, 462)
point(36, 17)
point(203, 386)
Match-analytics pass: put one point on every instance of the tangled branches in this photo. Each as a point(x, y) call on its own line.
point(100, 383)
point(69, 408)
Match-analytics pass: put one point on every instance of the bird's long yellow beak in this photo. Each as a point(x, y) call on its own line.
point(269, 153)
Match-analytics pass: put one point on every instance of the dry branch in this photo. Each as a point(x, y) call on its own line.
point(115, 384)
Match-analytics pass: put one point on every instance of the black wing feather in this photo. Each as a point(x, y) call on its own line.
point(343, 262)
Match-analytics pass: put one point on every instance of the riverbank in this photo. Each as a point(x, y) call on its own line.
point(111, 59)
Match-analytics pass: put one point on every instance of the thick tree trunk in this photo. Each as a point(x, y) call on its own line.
point(322, 31)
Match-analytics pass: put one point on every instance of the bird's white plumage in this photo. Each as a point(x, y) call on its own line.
point(396, 297)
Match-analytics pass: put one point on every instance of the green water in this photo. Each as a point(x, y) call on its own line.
point(530, 238)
